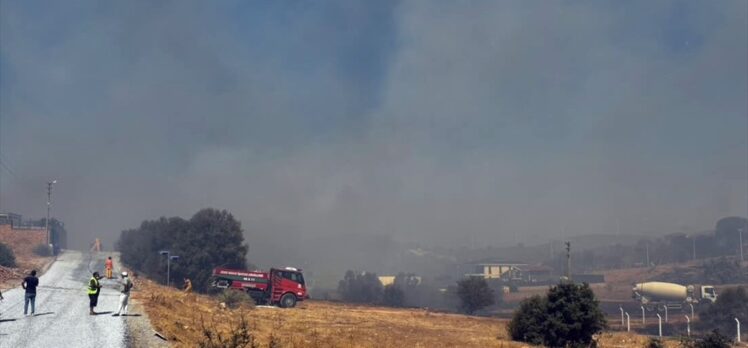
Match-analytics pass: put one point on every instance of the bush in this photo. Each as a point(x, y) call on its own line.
point(235, 298)
point(474, 294)
point(655, 343)
point(7, 257)
point(713, 340)
point(527, 322)
point(363, 287)
point(731, 303)
point(393, 296)
point(42, 250)
point(569, 315)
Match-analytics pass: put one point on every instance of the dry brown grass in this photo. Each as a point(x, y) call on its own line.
point(626, 340)
point(181, 317)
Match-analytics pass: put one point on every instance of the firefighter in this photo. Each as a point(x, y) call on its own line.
point(187, 285)
point(93, 292)
point(124, 295)
point(109, 267)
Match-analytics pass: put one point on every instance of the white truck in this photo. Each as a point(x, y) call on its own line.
point(652, 294)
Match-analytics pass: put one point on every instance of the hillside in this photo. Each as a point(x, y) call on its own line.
point(26, 261)
point(181, 317)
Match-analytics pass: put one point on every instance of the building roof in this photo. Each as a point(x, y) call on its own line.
point(494, 262)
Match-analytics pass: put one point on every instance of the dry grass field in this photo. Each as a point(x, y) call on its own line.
point(181, 318)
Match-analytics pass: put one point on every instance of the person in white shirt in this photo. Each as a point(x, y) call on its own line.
point(124, 296)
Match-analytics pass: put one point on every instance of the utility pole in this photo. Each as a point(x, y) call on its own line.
point(568, 261)
point(740, 231)
point(552, 253)
point(169, 257)
point(49, 205)
point(646, 250)
point(693, 251)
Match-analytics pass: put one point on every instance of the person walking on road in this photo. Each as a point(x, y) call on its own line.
point(29, 284)
point(93, 292)
point(124, 295)
point(109, 267)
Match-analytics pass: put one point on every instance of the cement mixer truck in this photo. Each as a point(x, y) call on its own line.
point(652, 294)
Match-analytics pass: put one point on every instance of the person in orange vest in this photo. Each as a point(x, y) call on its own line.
point(109, 267)
point(187, 285)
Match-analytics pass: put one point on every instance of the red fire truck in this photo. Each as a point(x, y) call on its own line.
point(281, 286)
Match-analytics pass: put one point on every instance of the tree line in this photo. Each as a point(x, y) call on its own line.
point(672, 248)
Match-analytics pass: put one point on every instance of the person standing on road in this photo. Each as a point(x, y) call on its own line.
point(124, 295)
point(109, 267)
point(93, 292)
point(29, 284)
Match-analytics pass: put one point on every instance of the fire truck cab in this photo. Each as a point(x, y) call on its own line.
point(280, 286)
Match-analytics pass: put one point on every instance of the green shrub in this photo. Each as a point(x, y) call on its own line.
point(474, 294)
point(7, 257)
point(527, 322)
point(42, 250)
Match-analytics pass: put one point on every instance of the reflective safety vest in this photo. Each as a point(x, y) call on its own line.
point(93, 286)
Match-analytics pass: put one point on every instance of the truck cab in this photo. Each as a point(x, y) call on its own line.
point(708, 294)
point(287, 286)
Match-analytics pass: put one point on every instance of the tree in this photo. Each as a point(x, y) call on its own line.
point(568, 316)
point(393, 296)
point(363, 287)
point(474, 294)
point(727, 233)
point(527, 323)
point(731, 303)
point(7, 257)
point(211, 238)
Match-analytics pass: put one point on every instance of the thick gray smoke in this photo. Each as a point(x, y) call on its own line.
point(443, 123)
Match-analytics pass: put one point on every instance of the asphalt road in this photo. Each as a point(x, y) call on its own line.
point(62, 318)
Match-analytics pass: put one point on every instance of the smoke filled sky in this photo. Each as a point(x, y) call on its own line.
point(430, 121)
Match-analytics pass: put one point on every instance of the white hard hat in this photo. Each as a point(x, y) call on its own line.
point(124, 274)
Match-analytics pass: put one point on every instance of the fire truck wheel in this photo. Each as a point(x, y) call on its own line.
point(288, 301)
